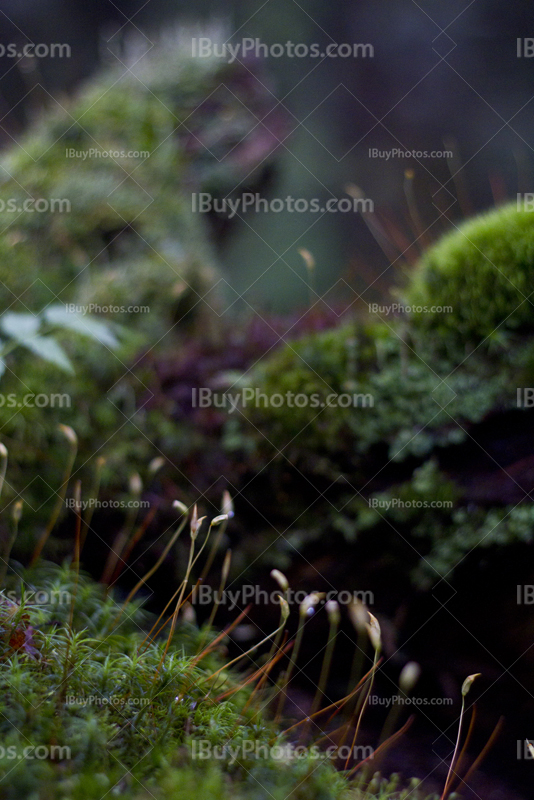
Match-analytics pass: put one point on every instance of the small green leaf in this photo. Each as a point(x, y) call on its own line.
point(85, 325)
point(46, 347)
point(19, 326)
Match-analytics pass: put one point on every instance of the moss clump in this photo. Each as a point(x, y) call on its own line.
point(114, 235)
point(396, 398)
point(428, 395)
point(485, 271)
point(98, 715)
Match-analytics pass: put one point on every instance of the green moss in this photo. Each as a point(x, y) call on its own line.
point(396, 397)
point(124, 245)
point(484, 270)
point(427, 391)
point(86, 710)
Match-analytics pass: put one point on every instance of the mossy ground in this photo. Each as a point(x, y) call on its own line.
point(89, 707)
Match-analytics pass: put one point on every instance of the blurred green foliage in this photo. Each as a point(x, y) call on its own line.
point(112, 236)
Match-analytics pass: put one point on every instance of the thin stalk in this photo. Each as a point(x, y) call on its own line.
point(284, 615)
point(227, 512)
point(384, 746)
point(135, 538)
point(467, 740)
point(359, 655)
point(289, 671)
point(76, 557)
point(362, 710)
point(224, 577)
point(150, 572)
point(283, 583)
point(267, 669)
point(95, 488)
point(124, 534)
point(213, 551)
point(489, 744)
point(3, 465)
point(465, 689)
point(307, 605)
point(423, 238)
point(407, 680)
point(222, 635)
point(334, 617)
point(196, 524)
point(178, 604)
point(9, 541)
point(73, 449)
point(338, 705)
point(164, 625)
point(261, 673)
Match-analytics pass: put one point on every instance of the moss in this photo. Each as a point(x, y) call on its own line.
point(127, 248)
point(485, 271)
point(396, 398)
point(428, 393)
point(117, 211)
point(414, 416)
point(86, 710)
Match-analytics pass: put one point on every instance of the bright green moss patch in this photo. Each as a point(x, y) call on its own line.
point(371, 389)
point(484, 270)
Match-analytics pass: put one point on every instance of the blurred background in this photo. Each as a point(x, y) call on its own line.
point(441, 77)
